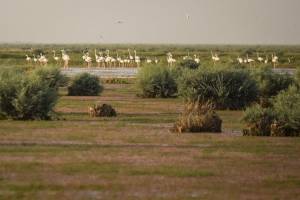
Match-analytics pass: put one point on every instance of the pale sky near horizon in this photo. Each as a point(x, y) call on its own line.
point(151, 21)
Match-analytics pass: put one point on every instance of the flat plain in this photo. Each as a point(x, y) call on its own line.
point(136, 156)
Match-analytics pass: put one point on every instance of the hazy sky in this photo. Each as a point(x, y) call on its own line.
point(151, 21)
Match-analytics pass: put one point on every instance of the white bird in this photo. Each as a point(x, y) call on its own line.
point(148, 61)
point(88, 60)
point(214, 57)
point(84, 56)
point(260, 59)
point(249, 60)
point(42, 59)
point(187, 16)
point(34, 59)
point(156, 60)
point(28, 59)
point(66, 58)
point(131, 59)
point(240, 60)
point(56, 58)
point(107, 59)
point(274, 60)
point(187, 56)
point(266, 60)
point(196, 59)
point(170, 59)
point(137, 59)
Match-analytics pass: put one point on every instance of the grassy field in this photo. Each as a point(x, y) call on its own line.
point(135, 156)
point(14, 54)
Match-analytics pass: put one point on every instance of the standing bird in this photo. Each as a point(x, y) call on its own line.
point(28, 59)
point(97, 58)
point(84, 56)
point(274, 60)
point(240, 60)
point(66, 58)
point(131, 59)
point(187, 56)
point(148, 61)
point(35, 60)
point(156, 60)
point(250, 60)
point(260, 59)
point(215, 57)
point(137, 59)
point(107, 59)
point(56, 58)
point(170, 59)
point(88, 60)
point(196, 59)
point(42, 59)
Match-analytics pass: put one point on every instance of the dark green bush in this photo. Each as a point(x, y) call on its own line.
point(156, 81)
point(281, 119)
point(85, 85)
point(271, 83)
point(225, 88)
point(189, 63)
point(297, 78)
point(25, 96)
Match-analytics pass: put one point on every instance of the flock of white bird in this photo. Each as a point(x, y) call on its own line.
point(247, 60)
point(105, 60)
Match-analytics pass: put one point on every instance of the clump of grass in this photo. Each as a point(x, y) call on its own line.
point(103, 110)
point(198, 117)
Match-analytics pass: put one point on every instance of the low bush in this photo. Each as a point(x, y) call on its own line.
point(198, 117)
point(225, 88)
point(281, 119)
point(28, 96)
point(85, 85)
point(117, 81)
point(270, 83)
point(189, 63)
point(156, 81)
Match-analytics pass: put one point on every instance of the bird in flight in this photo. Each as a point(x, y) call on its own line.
point(187, 16)
point(119, 21)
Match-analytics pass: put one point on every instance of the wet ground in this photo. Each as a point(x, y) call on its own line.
point(131, 72)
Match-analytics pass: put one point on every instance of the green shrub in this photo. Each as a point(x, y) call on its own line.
point(156, 81)
point(258, 120)
point(85, 85)
point(52, 75)
point(297, 77)
point(271, 83)
point(282, 119)
point(225, 88)
point(25, 96)
point(198, 117)
point(189, 63)
point(287, 109)
point(10, 83)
